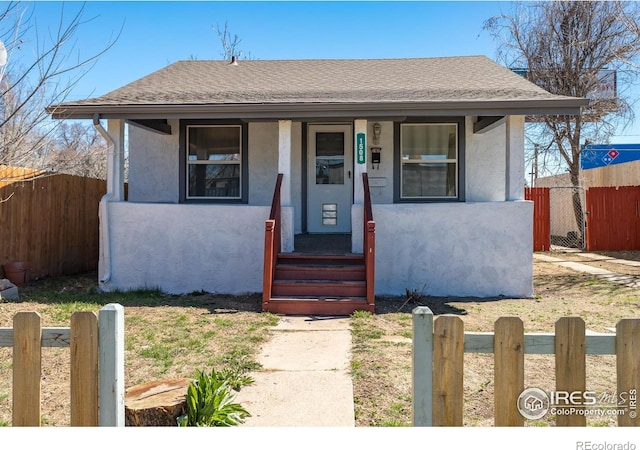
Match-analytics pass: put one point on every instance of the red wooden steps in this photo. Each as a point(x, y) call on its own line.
point(320, 259)
point(320, 272)
point(318, 288)
point(318, 284)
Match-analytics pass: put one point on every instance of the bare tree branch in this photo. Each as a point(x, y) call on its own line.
point(43, 67)
point(566, 47)
point(77, 149)
point(230, 43)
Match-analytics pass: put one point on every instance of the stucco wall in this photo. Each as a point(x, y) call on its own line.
point(485, 161)
point(219, 248)
point(458, 249)
point(263, 161)
point(381, 178)
point(153, 165)
point(263, 165)
point(185, 248)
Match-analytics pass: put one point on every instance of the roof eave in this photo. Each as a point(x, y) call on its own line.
point(570, 106)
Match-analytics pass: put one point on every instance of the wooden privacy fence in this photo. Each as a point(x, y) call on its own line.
point(541, 218)
point(51, 222)
point(96, 344)
point(438, 355)
point(613, 218)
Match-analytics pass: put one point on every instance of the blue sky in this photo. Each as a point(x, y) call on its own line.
point(157, 33)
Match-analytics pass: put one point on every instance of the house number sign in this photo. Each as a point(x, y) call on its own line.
point(360, 148)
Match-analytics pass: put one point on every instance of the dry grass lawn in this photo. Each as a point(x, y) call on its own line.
point(382, 356)
point(172, 336)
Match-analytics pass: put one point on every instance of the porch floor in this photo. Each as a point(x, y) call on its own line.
point(322, 243)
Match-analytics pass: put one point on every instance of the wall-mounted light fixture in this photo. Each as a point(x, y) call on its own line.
point(377, 129)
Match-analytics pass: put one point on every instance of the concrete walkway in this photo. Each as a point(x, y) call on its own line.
point(625, 280)
point(596, 257)
point(304, 381)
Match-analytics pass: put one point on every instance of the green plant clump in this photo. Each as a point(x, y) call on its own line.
point(210, 402)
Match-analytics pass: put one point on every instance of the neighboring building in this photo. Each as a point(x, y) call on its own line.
point(10, 174)
point(208, 138)
point(610, 165)
point(602, 165)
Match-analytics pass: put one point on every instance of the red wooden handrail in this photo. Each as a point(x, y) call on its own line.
point(369, 241)
point(272, 242)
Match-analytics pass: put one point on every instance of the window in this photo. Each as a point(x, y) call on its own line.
point(429, 161)
point(329, 158)
point(214, 162)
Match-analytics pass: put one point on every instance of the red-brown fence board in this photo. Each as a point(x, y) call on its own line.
point(541, 218)
point(613, 218)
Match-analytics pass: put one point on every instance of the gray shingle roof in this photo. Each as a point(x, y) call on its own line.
point(344, 81)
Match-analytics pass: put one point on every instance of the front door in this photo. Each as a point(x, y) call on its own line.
point(329, 175)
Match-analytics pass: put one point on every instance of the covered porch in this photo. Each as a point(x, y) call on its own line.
point(478, 247)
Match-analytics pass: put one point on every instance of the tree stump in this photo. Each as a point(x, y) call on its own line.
point(156, 404)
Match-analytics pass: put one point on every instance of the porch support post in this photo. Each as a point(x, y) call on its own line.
point(115, 161)
point(359, 126)
point(284, 160)
point(514, 188)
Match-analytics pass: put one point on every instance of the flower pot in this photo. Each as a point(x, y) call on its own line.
point(19, 273)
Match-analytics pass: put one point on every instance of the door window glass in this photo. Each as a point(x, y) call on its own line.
point(329, 158)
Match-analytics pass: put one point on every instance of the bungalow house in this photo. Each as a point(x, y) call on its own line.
point(418, 163)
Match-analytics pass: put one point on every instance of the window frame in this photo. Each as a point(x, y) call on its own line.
point(184, 163)
point(460, 151)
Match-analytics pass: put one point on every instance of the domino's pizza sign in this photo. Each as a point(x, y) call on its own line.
point(594, 156)
point(610, 156)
